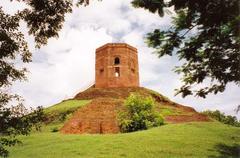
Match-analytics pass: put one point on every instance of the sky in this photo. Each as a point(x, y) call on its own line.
point(66, 65)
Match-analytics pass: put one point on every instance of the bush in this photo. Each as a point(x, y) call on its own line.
point(139, 114)
point(54, 129)
point(221, 117)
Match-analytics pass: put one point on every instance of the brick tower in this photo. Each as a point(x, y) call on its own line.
point(116, 66)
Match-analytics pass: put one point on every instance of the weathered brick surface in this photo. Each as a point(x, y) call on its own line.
point(99, 116)
point(105, 68)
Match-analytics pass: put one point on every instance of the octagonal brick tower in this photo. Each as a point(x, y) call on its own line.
point(116, 66)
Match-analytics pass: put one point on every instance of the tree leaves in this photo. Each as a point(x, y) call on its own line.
point(154, 6)
point(12, 45)
point(205, 36)
point(46, 17)
point(20, 124)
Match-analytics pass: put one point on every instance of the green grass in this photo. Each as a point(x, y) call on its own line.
point(59, 112)
point(193, 140)
point(65, 106)
point(154, 93)
point(168, 110)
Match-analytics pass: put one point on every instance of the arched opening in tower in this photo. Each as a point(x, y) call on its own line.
point(116, 61)
point(117, 72)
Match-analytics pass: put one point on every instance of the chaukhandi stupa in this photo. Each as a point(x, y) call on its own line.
point(116, 76)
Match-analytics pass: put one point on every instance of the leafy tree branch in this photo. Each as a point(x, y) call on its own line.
point(205, 36)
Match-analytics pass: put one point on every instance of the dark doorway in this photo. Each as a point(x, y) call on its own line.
point(116, 61)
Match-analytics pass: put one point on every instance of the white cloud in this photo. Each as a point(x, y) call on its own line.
point(69, 67)
point(8, 6)
point(66, 65)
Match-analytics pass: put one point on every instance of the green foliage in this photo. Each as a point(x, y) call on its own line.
point(14, 122)
point(152, 5)
point(54, 129)
point(221, 117)
point(44, 19)
point(139, 115)
point(205, 36)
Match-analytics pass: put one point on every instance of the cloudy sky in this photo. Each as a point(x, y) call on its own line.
point(66, 65)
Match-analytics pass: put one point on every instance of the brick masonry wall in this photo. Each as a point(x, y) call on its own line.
point(106, 68)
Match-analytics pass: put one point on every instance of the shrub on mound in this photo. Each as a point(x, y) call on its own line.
point(221, 117)
point(139, 114)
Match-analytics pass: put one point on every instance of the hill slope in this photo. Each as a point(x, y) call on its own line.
point(59, 112)
point(187, 140)
point(183, 140)
point(100, 116)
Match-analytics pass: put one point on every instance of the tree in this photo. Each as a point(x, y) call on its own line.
point(205, 36)
point(221, 117)
point(13, 122)
point(44, 19)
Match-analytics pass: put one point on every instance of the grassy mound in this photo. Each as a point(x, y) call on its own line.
point(99, 116)
point(192, 139)
point(198, 140)
point(171, 111)
point(59, 112)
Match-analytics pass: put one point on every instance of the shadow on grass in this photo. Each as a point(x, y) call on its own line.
point(227, 151)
